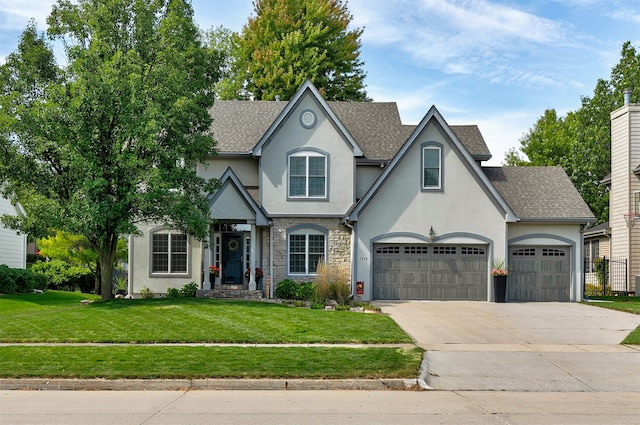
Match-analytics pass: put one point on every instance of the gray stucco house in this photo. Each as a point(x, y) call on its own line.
point(408, 209)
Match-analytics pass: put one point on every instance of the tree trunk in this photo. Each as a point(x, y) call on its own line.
point(98, 278)
point(106, 258)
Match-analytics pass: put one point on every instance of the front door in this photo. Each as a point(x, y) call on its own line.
point(232, 272)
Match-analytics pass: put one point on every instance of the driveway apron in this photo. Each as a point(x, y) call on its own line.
point(521, 346)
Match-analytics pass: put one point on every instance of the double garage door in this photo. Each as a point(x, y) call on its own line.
point(459, 272)
point(539, 274)
point(430, 272)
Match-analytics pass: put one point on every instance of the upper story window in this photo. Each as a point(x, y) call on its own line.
point(169, 253)
point(432, 166)
point(307, 175)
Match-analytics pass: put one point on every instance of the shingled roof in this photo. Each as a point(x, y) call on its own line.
point(376, 127)
point(539, 193)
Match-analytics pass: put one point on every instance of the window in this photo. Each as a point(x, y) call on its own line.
point(431, 167)
point(306, 248)
point(636, 202)
point(307, 175)
point(169, 253)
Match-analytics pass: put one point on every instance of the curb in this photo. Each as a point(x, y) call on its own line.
point(38, 384)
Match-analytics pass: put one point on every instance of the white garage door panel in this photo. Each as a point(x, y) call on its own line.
point(539, 274)
point(430, 272)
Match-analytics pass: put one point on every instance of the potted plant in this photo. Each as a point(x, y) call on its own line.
point(121, 286)
point(259, 274)
point(214, 271)
point(499, 281)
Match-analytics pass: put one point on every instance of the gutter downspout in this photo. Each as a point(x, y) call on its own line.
point(271, 261)
point(353, 260)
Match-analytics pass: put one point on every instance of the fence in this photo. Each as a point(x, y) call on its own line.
point(605, 276)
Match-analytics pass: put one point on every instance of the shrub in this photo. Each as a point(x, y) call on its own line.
point(317, 306)
point(173, 293)
point(64, 276)
point(146, 293)
point(14, 281)
point(286, 289)
point(35, 258)
point(305, 291)
point(189, 289)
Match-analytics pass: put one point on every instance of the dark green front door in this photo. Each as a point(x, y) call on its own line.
point(232, 272)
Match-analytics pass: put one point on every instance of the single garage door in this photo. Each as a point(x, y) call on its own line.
point(539, 274)
point(430, 272)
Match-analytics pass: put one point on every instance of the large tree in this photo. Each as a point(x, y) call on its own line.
point(581, 142)
point(112, 138)
point(289, 41)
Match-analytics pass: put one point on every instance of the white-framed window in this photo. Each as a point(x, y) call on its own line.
point(431, 167)
point(636, 202)
point(307, 175)
point(306, 247)
point(169, 253)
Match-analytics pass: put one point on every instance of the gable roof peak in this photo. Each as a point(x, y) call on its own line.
point(307, 88)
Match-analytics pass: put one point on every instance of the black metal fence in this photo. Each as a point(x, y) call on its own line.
point(606, 276)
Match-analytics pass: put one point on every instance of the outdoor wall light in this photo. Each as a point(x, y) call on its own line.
point(432, 234)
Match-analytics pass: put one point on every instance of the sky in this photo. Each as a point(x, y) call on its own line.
point(498, 64)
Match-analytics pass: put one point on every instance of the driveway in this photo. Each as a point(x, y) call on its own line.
point(521, 346)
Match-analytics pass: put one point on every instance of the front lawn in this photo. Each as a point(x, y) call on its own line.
point(59, 317)
point(622, 303)
point(172, 362)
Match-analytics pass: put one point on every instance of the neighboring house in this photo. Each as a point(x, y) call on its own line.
point(624, 195)
point(13, 245)
point(409, 210)
point(597, 245)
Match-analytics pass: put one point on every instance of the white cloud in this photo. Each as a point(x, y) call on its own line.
point(478, 37)
point(14, 15)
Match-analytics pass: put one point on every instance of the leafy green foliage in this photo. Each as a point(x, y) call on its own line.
point(113, 137)
point(305, 291)
point(290, 41)
point(286, 289)
point(62, 275)
point(189, 289)
point(14, 281)
point(173, 292)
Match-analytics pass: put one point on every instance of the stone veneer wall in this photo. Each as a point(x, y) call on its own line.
point(338, 249)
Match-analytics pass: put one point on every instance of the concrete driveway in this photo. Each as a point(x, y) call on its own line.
point(521, 346)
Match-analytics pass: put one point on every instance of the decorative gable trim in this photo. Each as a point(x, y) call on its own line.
point(433, 115)
point(229, 180)
point(309, 88)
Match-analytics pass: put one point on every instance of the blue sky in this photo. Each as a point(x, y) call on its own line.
point(497, 64)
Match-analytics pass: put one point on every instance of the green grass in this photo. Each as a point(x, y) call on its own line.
point(60, 318)
point(626, 304)
point(207, 362)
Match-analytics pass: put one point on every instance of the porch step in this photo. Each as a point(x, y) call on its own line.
point(238, 294)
